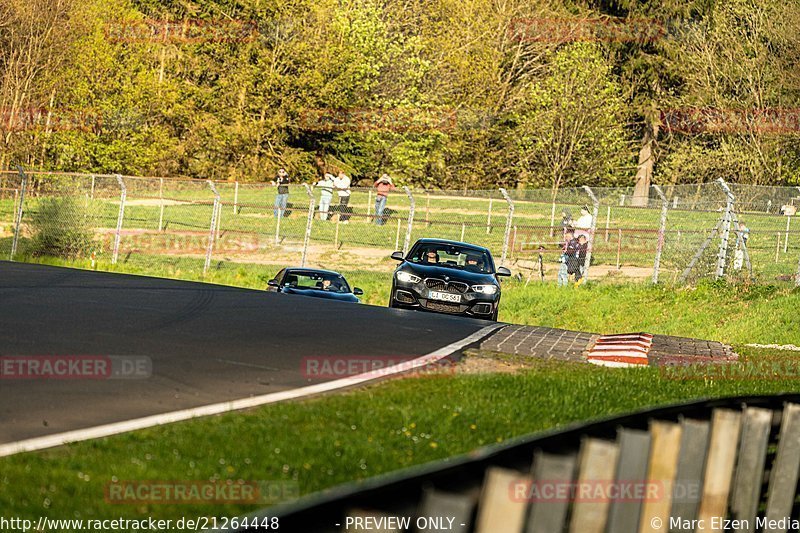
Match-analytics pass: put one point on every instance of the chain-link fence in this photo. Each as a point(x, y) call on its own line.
point(188, 228)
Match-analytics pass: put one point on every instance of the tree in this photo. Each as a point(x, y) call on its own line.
point(571, 130)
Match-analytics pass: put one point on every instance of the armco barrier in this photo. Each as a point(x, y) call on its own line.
point(686, 467)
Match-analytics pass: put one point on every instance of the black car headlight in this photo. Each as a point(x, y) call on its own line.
point(485, 289)
point(407, 277)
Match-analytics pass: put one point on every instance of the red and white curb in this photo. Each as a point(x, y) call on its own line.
point(622, 350)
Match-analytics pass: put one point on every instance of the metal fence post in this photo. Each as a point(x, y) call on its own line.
point(236, 197)
point(120, 218)
point(509, 219)
point(661, 232)
point(489, 218)
point(410, 227)
point(592, 231)
point(212, 227)
point(19, 212)
point(309, 222)
point(722, 256)
point(161, 205)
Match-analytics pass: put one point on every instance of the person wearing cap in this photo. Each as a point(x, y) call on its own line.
point(282, 196)
point(382, 188)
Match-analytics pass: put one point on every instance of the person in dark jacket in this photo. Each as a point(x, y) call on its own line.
point(575, 254)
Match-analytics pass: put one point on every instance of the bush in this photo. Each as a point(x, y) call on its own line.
point(62, 227)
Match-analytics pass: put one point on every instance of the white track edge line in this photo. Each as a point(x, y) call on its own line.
point(115, 428)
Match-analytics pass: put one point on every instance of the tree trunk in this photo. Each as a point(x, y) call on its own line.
point(644, 172)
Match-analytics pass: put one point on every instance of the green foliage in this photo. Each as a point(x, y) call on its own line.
point(62, 227)
point(535, 112)
point(571, 129)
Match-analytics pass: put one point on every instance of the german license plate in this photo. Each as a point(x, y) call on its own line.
point(444, 297)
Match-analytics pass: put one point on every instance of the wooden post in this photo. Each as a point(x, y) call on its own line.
point(489, 217)
point(463, 228)
point(786, 242)
point(336, 236)
point(161, 203)
point(514, 242)
point(397, 238)
point(428, 207)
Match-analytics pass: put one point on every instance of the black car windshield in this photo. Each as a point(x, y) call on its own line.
point(452, 256)
point(323, 281)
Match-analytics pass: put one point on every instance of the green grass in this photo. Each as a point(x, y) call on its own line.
point(453, 218)
point(326, 441)
point(731, 313)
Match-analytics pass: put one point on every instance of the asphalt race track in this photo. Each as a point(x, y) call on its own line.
point(207, 343)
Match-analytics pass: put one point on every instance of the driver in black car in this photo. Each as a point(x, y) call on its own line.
point(473, 264)
point(432, 257)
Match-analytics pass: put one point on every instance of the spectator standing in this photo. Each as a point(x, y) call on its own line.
point(342, 184)
point(282, 196)
point(563, 274)
point(566, 221)
point(576, 257)
point(583, 226)
point(326, 185)
point(382, 188)
point(742, 236)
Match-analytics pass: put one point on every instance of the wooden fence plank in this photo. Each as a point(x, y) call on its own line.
point(783, 477)
point(597, 466)
point(499, 510)
point(662, 469)
point(723, 444)
point(634, 452)
point(689, 477)
point(549, 515)
point(446, 506)
point(756, 425)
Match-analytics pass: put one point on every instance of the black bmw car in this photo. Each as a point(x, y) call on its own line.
point(314, 282)
point(447, 277)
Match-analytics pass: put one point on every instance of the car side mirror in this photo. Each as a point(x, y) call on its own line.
point(398, 256)
point(273, 283)
point(503, 271)
point(357, 291)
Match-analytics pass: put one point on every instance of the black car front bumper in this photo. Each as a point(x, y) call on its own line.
point(417, 296)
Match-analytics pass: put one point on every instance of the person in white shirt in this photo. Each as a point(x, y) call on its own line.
point(583, 226)
point(342, 185)
point(326, 193)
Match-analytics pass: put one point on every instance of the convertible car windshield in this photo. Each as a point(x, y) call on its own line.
point(451, 256)
point(315, 280)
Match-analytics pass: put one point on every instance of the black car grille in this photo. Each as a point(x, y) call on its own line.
point(443, 307)
point(455, 287)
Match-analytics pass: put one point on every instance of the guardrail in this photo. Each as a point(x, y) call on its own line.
point(663, 469)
